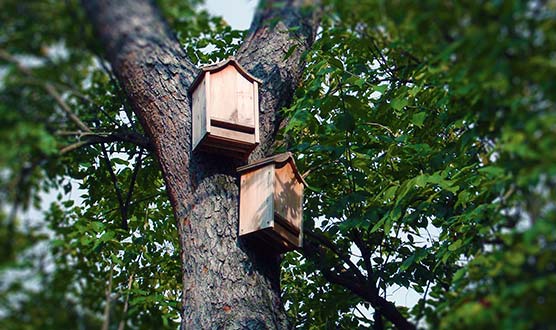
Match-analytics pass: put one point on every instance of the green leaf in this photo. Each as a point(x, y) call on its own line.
point(378, 260)
point(398, 103)
point(336, 63)
point(459, 275)
point(381, 88)
point(492, 170)
point(290, 51)
point(407, 263)
point(97, 226)
point(378, 225)
point(107, 236)
point(390, 193)
point(418, 119)
point(456, 245)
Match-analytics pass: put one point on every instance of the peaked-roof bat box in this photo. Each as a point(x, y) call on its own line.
point(225, 110)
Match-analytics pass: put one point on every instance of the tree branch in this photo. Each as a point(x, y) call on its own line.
point(99, 138)
point(324, 241)
point(277, 27)
point(50, 89)
point(123, 210)
point(365, 253)
point(133, 179)
point(121, 326)
point(362, 289)
point(108, 292)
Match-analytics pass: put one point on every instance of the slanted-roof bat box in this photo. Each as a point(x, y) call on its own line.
point(271, 201)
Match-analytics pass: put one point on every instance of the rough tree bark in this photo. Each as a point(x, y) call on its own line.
point(227, 284)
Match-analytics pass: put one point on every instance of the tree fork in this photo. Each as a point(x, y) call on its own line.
point(226, 284)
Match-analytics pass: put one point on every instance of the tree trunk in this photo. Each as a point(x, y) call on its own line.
point(226, 283)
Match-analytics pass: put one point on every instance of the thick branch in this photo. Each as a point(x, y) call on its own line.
point(277, 27)
point(365, 253)
point(322, 240)
point(360, 288)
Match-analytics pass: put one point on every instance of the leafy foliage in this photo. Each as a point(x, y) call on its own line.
point(428, 130)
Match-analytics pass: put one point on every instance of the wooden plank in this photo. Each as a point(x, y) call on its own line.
point(256, 209)
point(244, 101)
point(274, 241)
point(232, 126)
point(219, 145)
point(208, 97)
point(278, 159)
point(232, 135)
point(224, 147)
point(285, 223)
point(230, 61)
point(199, 108)
point(289, 237)
point(269, 241)
point(223, 96)
point(288, 195)
point(256, 110)
point(241, 154)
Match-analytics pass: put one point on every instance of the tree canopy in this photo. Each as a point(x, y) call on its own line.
point(425, 130)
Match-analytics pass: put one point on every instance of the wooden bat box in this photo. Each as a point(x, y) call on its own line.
point(271, 203)
point(225, 116)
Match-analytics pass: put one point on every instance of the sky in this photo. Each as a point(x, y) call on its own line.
point(238, 13)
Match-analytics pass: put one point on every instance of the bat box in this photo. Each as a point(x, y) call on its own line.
point(271, 202)
point(225, 105)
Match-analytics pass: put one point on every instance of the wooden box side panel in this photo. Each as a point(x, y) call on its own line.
point(256, 110)
point(207, 102)
point(245, 101)
point(199, 109)
point(256, 209)
point(288, 197)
